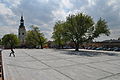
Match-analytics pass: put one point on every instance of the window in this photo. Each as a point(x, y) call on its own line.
point(22, 33)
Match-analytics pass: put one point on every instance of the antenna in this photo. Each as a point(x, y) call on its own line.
point(22, 14)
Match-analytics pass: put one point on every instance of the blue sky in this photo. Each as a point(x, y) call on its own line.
point(44, 13)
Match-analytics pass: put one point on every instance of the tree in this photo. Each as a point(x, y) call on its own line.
point(78, 28)
point(10, 40)
point(57, 34)
point(81, 28)
point(35, 38)
point(101, 27)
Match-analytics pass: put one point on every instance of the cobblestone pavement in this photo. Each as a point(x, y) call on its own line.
point(50, 64)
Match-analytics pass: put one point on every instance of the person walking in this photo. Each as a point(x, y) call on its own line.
point(12, 52)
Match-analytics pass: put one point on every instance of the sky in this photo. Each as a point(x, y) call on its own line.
point(44, 14)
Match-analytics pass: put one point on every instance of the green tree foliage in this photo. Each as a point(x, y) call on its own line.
point(78, 28)
point(81, 28)
point(10, 40)
point(58, 34)
point(35, 38)
point(101, 27)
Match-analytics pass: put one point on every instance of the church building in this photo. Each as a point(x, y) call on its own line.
point(22, 32)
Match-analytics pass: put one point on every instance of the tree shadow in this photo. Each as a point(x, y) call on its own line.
point(89, 54)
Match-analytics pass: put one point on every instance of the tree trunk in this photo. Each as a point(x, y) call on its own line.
point(77, 47)
point(41, 46)
point(62, 46)
point(59, 45)
point(40, 42)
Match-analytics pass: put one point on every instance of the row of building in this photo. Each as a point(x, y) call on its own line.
point(107, 44)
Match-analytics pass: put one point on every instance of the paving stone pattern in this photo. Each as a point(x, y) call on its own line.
point(50, 64)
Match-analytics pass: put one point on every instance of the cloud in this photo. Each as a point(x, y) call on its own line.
point(66, 4)
point(11, 3)
point(7, 16)
point(115, 33)
point(7, 29)
point(45, 13)
point(4, 10)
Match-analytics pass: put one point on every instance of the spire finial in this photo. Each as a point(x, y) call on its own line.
point(21, 15)
point(22, 20)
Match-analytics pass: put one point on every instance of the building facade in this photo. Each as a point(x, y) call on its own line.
point(22, 32)
point(106, 43)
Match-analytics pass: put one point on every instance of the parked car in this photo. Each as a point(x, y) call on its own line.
point(110, 49)
point(89, 48)
point(99, 48)
point(93, 48)
point(117, 49)
point(105, 48)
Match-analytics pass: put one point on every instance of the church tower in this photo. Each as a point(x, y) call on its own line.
point(22, 32)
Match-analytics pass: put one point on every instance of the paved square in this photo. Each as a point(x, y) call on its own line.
point(50, 64)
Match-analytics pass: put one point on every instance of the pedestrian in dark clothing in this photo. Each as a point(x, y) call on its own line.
point(12, 52)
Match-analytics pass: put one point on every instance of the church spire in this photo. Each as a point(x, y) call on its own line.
point(21, 21)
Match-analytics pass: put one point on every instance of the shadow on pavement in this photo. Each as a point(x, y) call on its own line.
point(89, 54)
